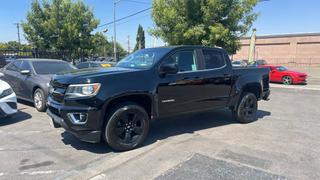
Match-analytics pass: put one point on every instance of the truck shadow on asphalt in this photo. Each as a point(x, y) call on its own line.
point(164, 128)
point(98, 148)
point(16, 118)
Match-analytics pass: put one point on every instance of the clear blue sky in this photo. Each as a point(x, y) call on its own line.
point(276, 17)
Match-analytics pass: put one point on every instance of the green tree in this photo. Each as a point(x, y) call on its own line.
point(140, 39)
point(60, 25)
point(205, 22)
point(14, 45)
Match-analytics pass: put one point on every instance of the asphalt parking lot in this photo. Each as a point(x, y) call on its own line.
point(282, 144)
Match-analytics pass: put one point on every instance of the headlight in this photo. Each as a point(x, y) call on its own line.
point(6, 92)
point(82, 90)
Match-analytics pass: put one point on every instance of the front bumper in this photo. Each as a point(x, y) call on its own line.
point(8, 105)
point(85, 135)
point(90, 131)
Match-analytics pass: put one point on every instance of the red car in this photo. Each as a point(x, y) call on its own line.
point(282, 74)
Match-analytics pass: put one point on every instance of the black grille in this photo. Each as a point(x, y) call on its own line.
point(57, 91)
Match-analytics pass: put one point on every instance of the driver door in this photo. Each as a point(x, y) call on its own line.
point(178, 93)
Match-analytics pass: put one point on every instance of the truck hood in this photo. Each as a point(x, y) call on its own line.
point(66, 77)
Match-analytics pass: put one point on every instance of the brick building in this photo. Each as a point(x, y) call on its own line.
point(287, 49)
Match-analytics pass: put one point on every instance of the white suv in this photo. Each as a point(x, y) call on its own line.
point(8, 100)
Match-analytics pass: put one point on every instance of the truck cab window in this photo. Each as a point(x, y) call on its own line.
point(185, 60)
point(213, 59)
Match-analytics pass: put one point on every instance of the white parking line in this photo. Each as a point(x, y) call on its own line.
point(301, 87)
point(98, 177)
point(37, 172)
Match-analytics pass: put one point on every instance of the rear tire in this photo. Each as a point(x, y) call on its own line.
point(127, 127)
point(39, 100)
point(287, 80)
point(246, 110)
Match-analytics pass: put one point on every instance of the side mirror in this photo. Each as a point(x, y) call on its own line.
point(168, 69)
point(25, 72)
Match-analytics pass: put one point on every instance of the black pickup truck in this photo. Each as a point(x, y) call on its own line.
point(116, 104)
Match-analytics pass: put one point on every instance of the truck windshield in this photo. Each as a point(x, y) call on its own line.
point(143, 59)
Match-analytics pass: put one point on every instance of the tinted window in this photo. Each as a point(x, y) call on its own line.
point(51, 67)
point(25, 66)
point(213, 59)
point(14, 66)
point(83, 65)
point(185, 60)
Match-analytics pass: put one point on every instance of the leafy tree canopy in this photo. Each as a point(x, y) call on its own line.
point(205, 22)
point(60, 25)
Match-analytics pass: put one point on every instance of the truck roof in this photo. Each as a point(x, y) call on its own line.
point(186, 46)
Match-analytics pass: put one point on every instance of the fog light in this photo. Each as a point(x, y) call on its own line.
point(78, 118)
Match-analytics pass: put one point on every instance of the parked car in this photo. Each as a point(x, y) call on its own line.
point(8, 100)
point(285, 76)
point(95, 64)
point(29, 78)
point(258, 63)
point(116, 104)
point(239, 63)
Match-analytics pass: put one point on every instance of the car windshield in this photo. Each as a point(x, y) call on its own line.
point(143, 59)
point(51, 67)
point(236, 62)
point(281, 68)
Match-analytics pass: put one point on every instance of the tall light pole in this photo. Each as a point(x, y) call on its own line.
point(114, 29)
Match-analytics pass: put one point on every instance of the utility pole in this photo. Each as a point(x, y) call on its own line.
point(128, 44)
point(114, 29)
point(18, 28)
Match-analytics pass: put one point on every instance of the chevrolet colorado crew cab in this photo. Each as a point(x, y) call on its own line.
point(116, 104)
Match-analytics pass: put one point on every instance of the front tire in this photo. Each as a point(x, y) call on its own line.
point(127, 127)
point(246, 110)
point(39, 100)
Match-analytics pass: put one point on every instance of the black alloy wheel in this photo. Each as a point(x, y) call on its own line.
point(127, 127)
point(246, 111)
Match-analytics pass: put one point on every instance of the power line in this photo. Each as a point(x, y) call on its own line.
point(106, 24)
point(134, 1)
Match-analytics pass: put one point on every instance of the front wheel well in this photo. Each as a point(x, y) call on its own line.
point(141, 100)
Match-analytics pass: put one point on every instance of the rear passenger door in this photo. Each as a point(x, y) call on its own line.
point(216, 78)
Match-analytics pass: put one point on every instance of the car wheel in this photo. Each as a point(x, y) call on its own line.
point(287, 80)
point(39, 100)
point(127, 127)
point(246, 110)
